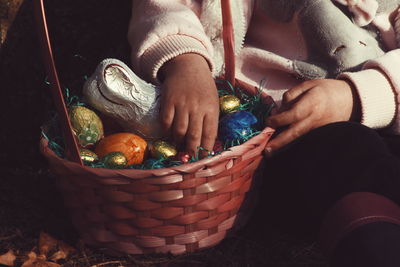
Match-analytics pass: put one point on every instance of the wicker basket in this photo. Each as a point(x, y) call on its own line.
point(173, 210)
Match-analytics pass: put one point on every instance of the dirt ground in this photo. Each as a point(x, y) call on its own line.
point(83, 33)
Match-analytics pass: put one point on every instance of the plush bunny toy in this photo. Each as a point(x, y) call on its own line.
point(335, 43)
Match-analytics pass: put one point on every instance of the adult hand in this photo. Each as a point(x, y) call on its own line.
point(310, 105)
point(189, 102)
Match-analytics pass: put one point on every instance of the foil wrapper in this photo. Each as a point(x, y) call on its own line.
point(86, 125)
point(183, 156)
point(162, 149)
point(131, 145)
point(117, 92)
point(229, 103)
point(236, 126)
point(88, 155)
point(115, 160)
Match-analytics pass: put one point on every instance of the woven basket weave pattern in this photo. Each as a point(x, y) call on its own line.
point(177, 210)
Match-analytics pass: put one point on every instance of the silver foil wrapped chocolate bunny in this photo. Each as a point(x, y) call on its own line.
point(116, 91)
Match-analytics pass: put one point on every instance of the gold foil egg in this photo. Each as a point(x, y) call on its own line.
point(229, 103)
point(115, 160)
point(162, 149)
point(86, 125)
point(88, 155)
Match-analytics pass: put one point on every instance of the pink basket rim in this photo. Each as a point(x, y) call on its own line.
point(257, 142)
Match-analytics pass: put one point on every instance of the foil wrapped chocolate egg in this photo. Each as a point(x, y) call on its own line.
point(162, 149)
point(229, 103)
point(86, 125)
point(183, 157)
point(88, 155)
point(131, 145)
point(236, 126)
point(115, 160)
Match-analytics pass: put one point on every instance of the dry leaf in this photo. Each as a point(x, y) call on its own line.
point(8, 258)
point(38, 261)
point(48, 264)
point(63, 252)
point(31, 258)
point(46, 243)
point(59, 255)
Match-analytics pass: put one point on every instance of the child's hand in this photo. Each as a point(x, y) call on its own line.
point(310, 105)
point(189, 102)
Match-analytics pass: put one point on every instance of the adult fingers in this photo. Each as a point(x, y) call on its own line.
point(193, 135)
point(210, 129)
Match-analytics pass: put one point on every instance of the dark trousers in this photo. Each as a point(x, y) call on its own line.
point(304, 179)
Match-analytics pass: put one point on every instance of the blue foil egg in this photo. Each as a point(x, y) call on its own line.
point(237, 125)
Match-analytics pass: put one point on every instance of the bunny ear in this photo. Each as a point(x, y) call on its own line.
point(364, 11)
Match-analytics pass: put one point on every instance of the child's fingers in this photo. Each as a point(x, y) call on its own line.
point(180, 126)
point(167, 117)
point(193, 135)
point(297, 112)
point(293, 132)
point(210, 129)
point(295, 92)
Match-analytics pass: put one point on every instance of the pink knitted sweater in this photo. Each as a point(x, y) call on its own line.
point(265, 49)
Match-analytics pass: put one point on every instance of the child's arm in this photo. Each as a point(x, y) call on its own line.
point(160, 30)
point(378, 86)
point(170, 47)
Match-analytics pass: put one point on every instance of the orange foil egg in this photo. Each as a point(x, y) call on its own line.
point(131, 145)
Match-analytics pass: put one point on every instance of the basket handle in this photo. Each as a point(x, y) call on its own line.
point(71, 146)
point(229, 42)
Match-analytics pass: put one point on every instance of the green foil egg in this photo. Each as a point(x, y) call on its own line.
point(115, 160)
point(87, 126)
point(162, 149)
point(88, 155)
point(229, 103)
